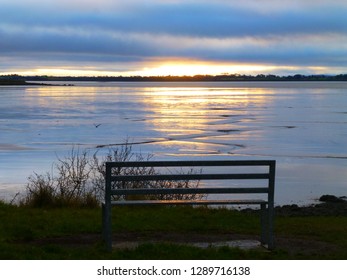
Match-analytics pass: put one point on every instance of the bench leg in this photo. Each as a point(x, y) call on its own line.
point(103, 233)
point(106, 226)
point(267, 217)
point(270, 226)
point(263, 223)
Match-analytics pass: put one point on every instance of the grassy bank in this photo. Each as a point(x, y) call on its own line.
point(74, 233)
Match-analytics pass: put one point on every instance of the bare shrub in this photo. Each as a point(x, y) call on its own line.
point(40, 191)
point(72, 181)
point(183, 184)
point(70, 186)
point(79, 179)
point(123, 153)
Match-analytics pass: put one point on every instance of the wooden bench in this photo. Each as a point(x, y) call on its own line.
point(120, 176)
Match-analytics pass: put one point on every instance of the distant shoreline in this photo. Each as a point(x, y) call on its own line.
point(4, 82)
point(21, 80)
point(16, 83)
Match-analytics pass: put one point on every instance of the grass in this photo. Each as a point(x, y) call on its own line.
point(36, 233)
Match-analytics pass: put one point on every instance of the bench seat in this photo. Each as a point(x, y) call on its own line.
point(190, 202)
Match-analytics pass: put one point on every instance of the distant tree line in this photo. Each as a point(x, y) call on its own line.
point(17, 79)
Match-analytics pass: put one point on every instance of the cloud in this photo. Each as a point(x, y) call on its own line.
point(290, 33)
point(111, 46)
point(209, 20)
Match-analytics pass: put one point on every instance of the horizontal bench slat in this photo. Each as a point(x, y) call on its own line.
point(188, 202)
point(177, 177)
point(192, 163)
point(187, 191)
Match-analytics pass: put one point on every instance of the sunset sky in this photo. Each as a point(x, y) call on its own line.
point(173, 37)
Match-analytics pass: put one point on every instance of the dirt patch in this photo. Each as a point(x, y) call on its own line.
point(291, 245)
point(131, 240)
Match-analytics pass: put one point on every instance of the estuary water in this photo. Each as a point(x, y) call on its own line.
point(302, 125)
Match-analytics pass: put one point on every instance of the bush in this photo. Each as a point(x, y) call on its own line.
point(70, 186)
point(80, 180)
point(40, 191)
point(121, 153)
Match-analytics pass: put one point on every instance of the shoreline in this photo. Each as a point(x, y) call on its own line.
point(184, 78)
point(25, 83)
point(327, 205)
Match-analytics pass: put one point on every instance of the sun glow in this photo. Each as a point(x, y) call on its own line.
point(160, 67)
point(165, 67)
point(191, 68)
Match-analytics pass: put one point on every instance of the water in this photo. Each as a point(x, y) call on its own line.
point(301, 125)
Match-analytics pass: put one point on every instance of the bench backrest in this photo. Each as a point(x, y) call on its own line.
point(114, 175)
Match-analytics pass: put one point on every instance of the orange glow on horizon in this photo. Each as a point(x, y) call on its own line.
point(187, 68)
point(163, 67)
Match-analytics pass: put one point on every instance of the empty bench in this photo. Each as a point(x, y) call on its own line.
point(133, 183)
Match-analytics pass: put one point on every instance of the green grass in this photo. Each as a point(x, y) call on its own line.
point(25, 233)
